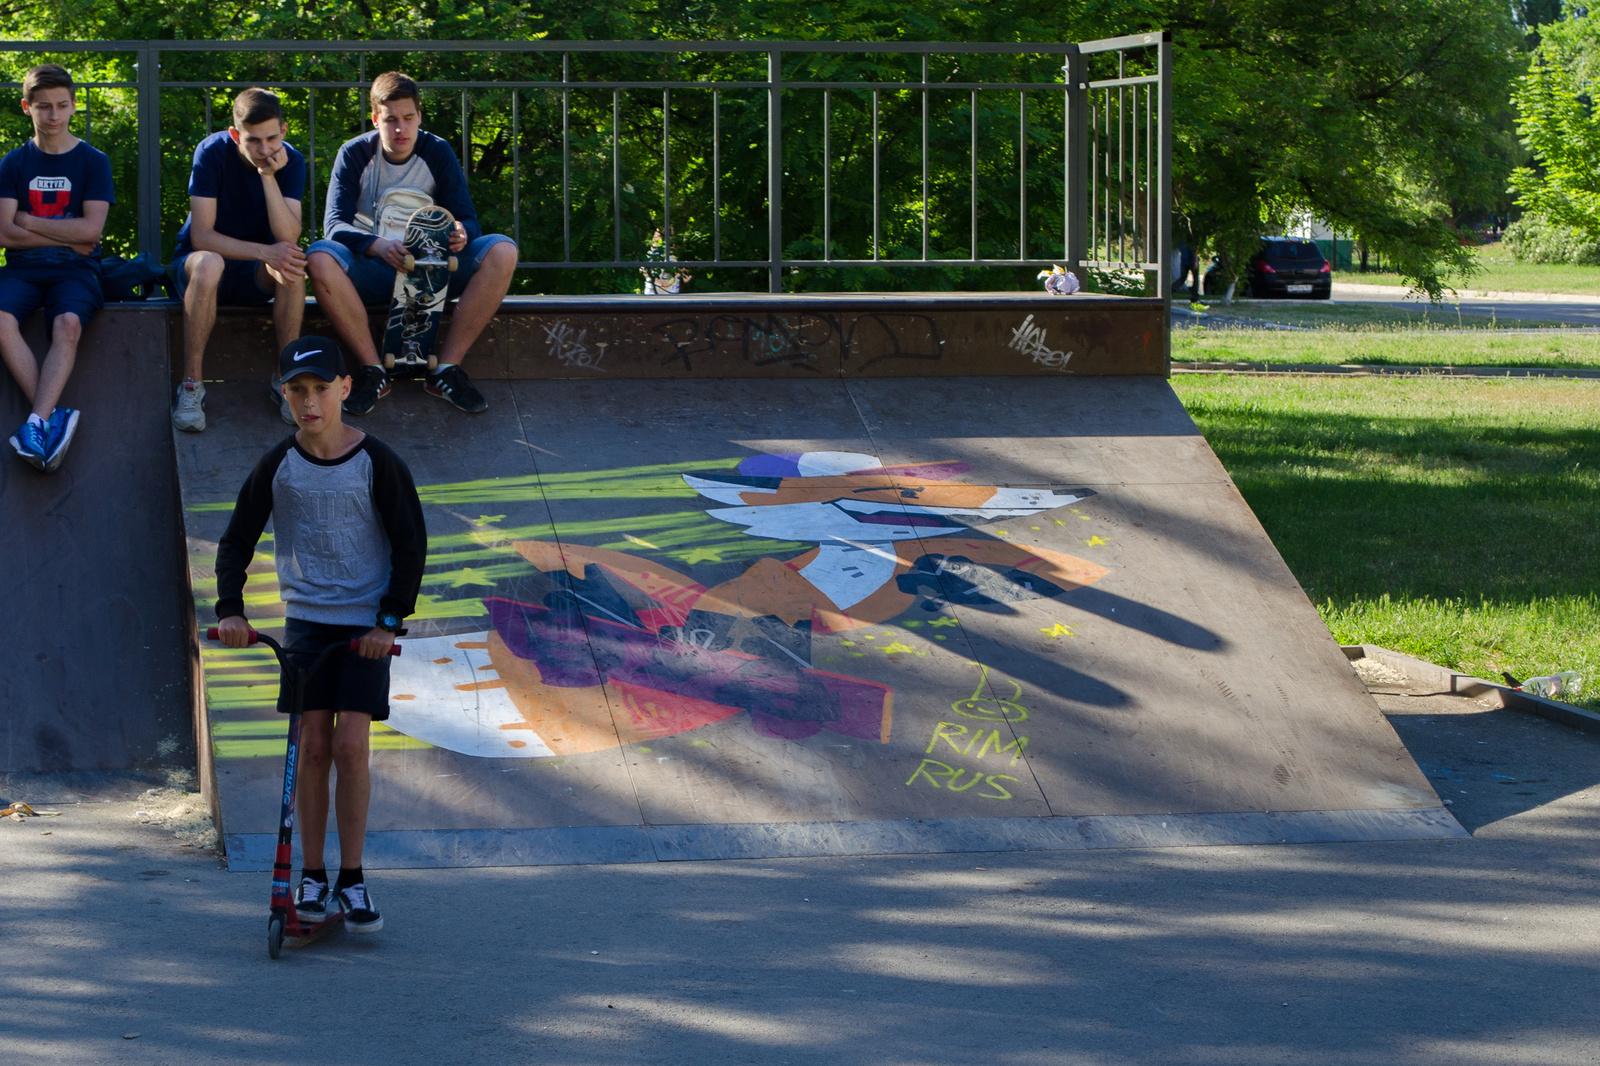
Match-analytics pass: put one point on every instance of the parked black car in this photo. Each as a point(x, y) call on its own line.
point(1288, 267)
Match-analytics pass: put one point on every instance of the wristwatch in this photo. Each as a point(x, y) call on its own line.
point(389, 620)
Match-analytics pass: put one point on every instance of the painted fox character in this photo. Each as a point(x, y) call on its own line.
point(588, 668)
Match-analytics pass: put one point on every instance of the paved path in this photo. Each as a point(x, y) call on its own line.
point(1479, 951)
point(1542, 307)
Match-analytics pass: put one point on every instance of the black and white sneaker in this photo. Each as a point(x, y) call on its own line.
point(450, 382)
point(311, 902)
point(371, 384)
point(360, 916)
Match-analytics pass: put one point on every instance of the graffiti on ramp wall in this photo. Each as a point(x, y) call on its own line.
point(594, 647)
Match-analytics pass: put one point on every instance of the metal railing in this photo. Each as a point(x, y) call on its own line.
point(829, 133)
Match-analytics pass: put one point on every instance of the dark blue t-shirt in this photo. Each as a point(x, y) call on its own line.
point(53, 186)
point(222, 174)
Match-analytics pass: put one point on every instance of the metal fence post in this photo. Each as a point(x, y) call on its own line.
point(149, 150)
point(1164, 182)
point(1077, 176)
point(775, 170)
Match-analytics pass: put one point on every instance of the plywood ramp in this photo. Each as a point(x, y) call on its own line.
point(752, 618)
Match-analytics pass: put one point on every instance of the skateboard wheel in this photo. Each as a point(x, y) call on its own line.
point(274, 935)
point(388, 360)
point(433, 363)
point(411, 262)
point(451, 264)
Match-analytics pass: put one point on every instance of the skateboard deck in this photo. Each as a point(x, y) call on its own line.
point(419, 293)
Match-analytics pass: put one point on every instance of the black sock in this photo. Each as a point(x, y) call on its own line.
point(320, 874)
point(349, 875)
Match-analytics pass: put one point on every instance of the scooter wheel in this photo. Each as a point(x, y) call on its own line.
point(451, 264)
point(274, 935)
point(410, 262)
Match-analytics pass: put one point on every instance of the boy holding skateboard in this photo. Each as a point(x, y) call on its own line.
point(355, 265)
point(350, 545)
point(240, 245)
point(55, 192)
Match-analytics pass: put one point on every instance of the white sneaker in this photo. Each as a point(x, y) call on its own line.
point(188, 409)
point(283, 405)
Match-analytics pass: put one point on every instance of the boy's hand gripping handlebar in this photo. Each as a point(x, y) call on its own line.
point(355, 642)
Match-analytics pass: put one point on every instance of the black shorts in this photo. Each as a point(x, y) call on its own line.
point(71, 285)
point(346, 682)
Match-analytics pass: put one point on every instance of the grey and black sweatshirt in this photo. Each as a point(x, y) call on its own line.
point(348, 534)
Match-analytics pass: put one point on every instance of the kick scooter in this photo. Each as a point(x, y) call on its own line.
point(283, 921)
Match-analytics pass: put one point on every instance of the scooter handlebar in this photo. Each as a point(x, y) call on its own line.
point(355, 642)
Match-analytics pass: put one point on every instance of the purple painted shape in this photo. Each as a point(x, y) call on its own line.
point(783, 701)
point(775, 464)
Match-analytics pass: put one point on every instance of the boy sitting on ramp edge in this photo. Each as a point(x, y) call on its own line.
point(355, 265)
point(55, 193)
point(350, 545)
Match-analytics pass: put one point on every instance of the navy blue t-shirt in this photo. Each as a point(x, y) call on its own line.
point(53, 186)
point(222, 174)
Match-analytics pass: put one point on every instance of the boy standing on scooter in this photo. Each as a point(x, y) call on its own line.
point(350, 545)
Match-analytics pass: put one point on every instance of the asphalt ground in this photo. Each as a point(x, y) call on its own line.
point(1466, 952)
point(1577, 312)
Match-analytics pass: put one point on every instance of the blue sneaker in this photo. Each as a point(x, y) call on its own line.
point(32, 442)
point(60, 429)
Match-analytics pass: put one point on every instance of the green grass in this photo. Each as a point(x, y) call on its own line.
point(1452, 519)
point(1320, 314)
point(1498, 272)
point(1380, 347)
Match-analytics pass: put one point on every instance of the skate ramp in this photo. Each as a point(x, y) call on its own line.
point(94, 675)
point(747, 618)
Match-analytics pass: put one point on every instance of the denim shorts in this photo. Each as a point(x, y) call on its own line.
point(69, 286)
point(346, 681)
point(239, 286)
point(374, 279)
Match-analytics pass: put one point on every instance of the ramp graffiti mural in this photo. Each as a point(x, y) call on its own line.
point(538, 646)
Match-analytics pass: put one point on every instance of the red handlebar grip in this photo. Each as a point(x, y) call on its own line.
point(214, 634)
point(355, 645)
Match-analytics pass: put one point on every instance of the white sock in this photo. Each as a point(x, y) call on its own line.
point(36, 420)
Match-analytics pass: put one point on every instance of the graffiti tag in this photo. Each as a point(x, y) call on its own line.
point(571, 346)
point(1029, 339)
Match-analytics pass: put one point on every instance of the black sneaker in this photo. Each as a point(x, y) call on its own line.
point(311, 902)
point(371, 385)
point(359, 914)
point(450, 382)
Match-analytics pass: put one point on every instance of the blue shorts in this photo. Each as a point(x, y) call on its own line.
point(374, 279)
point(346, 682)
point(239, 286)
point(70, 286)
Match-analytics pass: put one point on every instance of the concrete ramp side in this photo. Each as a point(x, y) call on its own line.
point(750, 618)
point(95, 673)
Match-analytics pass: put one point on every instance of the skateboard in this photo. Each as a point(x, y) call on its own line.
point(419, 293)
point(283, 921)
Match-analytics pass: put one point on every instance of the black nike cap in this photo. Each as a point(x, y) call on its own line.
point(312, 355)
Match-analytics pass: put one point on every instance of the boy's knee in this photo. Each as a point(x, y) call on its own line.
point(502, 256)
point(315, 749)
point(68, 327)
point(322, 266)
point(350, 747)
point(204, 269)
point(9, 323)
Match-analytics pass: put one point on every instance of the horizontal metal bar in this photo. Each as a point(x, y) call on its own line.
point(1113, 83)
point(1116, 264)
point(1117, 44)
point(748, 47)
point(709, 264)
point(867, 86)
point(82, 84)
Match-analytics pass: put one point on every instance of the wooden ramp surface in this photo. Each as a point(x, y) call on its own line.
point(746, 618)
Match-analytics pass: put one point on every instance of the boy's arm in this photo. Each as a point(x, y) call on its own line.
point(14, 236)
point(71, 232)
point(394, 495)
point(283, 214)
point(238, 545)
point(344, 192)
point(285, 256)
point(451, 193)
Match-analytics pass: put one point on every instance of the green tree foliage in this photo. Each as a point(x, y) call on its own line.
point(1373, 114)
point(1555, 107)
